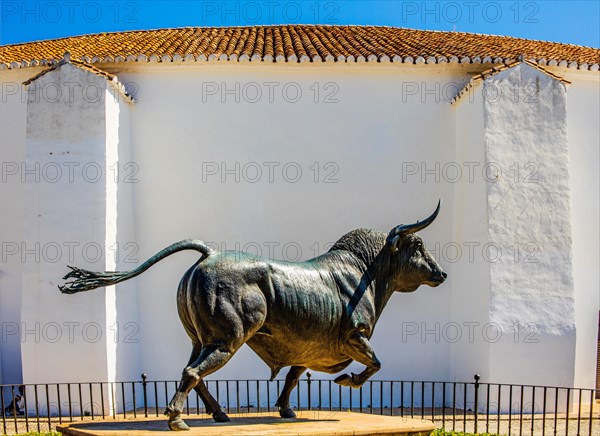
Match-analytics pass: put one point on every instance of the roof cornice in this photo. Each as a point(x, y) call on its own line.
point(495, 70)
point(66, 60)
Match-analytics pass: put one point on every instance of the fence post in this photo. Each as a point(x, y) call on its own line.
point(2, 405)
point(144, 389)
point(308, 382)
point(475, 409)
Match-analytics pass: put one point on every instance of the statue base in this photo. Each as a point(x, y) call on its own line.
point(308, 423)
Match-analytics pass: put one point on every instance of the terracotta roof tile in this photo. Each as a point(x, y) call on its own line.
point(298, 43)
point(288, 47)
point(278, 44)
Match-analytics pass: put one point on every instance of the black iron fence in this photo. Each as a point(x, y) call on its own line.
point(461, 406)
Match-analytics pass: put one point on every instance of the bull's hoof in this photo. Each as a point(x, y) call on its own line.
point(220, 416)
point(287, 413)
point(175, 422)
point(178, 424)
point(347, 380)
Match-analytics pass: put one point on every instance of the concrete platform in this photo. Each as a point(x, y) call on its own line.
point(313, 423)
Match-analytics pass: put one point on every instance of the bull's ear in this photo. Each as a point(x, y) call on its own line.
point(404, 229)
point(392, 240)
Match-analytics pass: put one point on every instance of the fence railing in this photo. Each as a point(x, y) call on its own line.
point(461, 406)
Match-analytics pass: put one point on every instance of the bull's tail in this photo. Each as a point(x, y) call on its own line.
point(85, 280)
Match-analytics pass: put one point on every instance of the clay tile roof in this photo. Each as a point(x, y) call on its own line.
point(298, 43)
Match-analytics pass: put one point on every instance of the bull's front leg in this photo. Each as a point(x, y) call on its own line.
point(358, 348)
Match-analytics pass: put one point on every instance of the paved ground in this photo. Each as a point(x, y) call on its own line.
point(525, 427)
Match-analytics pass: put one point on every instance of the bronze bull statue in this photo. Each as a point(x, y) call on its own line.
point(317, 314)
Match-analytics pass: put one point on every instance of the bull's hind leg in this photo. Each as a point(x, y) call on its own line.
point(211, 358)
point(291, 380)
point(175, 421)
point(212, 406)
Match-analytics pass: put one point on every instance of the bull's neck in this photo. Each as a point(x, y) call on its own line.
point(382, 292)
point(378, 288)
point(382, 288)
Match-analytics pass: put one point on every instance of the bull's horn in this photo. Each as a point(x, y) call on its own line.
point(404, 229)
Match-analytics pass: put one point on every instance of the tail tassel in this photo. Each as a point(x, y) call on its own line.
point(85, 280)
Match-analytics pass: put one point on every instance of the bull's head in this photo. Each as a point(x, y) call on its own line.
point(412, 263)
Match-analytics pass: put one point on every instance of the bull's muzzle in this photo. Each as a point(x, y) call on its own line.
point(438, 278)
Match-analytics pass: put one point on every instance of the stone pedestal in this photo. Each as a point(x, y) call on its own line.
point(313, 423)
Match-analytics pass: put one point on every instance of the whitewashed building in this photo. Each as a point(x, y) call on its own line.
point(278, 140)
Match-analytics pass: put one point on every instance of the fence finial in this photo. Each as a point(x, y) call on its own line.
point(145, 391)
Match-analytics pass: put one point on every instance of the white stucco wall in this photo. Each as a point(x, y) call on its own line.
point(387, 140)
point(530, 212)
point(63, 209)
point(471, 290)
point(525, 123)
point(583, 113)
point(126, 325)
point(12, 156)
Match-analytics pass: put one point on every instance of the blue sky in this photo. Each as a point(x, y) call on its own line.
point(575, 22)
